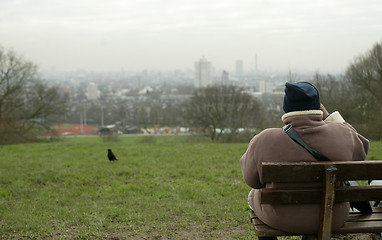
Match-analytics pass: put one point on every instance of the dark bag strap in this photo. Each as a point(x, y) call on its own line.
point(294, 135)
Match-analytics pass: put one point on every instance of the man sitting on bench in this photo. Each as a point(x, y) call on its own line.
point(328, 134)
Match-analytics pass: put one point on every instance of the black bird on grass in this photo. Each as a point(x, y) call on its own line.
point(111, 155)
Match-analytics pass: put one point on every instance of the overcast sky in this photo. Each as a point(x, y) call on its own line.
point(109, 35)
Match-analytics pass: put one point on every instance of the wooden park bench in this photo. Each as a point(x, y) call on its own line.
point(328, 173)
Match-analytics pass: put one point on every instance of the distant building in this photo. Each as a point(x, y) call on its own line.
point(64, 93)
point(256, 68)
point(225, 78)
point(202, 73)
point(137, 81)
point(265, 86)
point(146, 90)
point(239, 68)
point(92, 91)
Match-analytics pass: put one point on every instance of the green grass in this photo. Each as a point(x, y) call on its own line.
point(375, 151)
point(176, 187)
point(162, 187)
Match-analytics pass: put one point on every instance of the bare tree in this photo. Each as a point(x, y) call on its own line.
point(366, 71)
point(25, 102)
point(271, 112)
point(221, 108)
point(365, 74)
point(335, 93)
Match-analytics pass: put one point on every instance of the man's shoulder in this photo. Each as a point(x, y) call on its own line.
point(272, 130)
point(270, 133)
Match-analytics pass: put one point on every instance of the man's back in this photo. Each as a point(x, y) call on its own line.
point(337, 141)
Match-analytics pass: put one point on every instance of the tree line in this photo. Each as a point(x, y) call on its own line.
point(357, 94)
point(28, 105)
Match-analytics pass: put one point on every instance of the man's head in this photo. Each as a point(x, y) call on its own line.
point(301, 96)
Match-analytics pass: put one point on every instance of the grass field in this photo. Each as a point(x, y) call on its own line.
point(168, 187)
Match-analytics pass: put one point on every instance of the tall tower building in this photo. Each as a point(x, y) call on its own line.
point(265, 87)
point(256, 69)
point(137, 82)
point(92, 91)
point(202, 73)
point(225, 78)
point(239, 68)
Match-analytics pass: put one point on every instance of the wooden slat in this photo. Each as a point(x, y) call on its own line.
point(365, 217)
point(361, 227)
point(263, 230)
point(302, 196)
point(359, 193)
point(255, 220)
point(356, 223)
point(266, 231)
point(313, 171)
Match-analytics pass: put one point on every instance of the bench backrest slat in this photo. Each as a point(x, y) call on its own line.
point(303, 196)
point(313, 171)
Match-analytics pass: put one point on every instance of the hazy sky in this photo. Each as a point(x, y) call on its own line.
point(108, 35)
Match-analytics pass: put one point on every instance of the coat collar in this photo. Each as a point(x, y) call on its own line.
point(301, 113)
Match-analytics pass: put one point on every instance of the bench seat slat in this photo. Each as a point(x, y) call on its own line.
point(361, 227)
point(263, 230)
point(372, 217)
point(266, 231)
point(256, 221)
point(356, 223)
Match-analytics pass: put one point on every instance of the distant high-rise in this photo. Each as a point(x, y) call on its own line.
point(202, 73)
point(239, 68)
point(92, 91)
point(265, 87)
point(137, 82)
point(225, 78)
point(256, 69)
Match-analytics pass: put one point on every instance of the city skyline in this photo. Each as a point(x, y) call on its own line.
point(136, 35)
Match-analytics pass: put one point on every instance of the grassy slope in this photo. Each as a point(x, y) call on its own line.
point(162, 187)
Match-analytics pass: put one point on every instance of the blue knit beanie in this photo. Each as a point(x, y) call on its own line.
point(301, 96)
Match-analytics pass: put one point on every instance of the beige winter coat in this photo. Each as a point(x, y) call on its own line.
point(333, 137)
